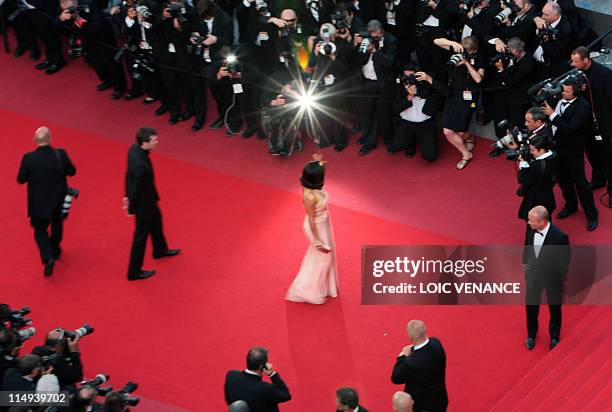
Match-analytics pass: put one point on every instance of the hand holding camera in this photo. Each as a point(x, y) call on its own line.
point(268, 369)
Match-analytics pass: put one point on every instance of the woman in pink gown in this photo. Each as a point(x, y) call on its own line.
point(317, 278)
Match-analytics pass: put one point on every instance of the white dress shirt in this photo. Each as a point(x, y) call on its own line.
point(560, 108)
point(538, 239)
point(415, 113)
point(417, 347)
point(368, 69)
point(524, 165)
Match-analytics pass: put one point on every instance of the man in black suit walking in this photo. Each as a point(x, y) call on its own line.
point(422, 368)
point(45, 170)
point(141, 200)
point(571, 120)
point(546, 258)
point(247, 385)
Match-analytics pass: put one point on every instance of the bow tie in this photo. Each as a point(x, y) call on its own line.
point(539, 233)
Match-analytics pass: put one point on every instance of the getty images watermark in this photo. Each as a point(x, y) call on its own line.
point(476, 275)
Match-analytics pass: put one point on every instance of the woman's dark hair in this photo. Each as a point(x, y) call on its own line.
point(313, 175)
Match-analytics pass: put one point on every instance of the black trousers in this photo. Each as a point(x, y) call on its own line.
point(101, 59)
point(147, 222)
point(407, 134)
point(43, 26)
point(376, 114)
point(572, 179)
point(599, 153)
point(26, 35)
point(553, 294)
point(48, 243)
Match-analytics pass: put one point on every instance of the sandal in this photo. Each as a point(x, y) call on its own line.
point(469, 144)
point(463, 163)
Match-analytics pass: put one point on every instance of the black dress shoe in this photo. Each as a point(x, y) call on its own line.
point(361, 141)
point(496, 152)
point(173, 120)
point(143, 274)
point(161, 110)
point(167, 253)
point(198, 125)
point(43, 65)
point(529, 343)
point(261, 134)
point(132, 96)
point(553, 343)
point(34, 56)
point(565, 213)
point(186, 115)
point(250, 131)
point(592, 225)
point(49, 267)
point(117, 94)
point(54, 68)
point(148, 100)
point(216, 124)
point(19, 51)
point(365, 150)
point(104, 86)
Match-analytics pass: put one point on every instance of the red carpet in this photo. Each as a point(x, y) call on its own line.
point(236, 213)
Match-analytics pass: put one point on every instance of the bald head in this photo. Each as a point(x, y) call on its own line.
point(538, 218)
point(42, 136)
point(417, 331)
point(402, 402)
point(288, 14)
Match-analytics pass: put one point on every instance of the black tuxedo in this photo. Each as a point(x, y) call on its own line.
point(260, 396)
point(537, 185)
point(45, 170)
point(573, 128)
point(556, 51)
point(423, 373)
point(547, 272)
point(600, 152)
point(142, 196)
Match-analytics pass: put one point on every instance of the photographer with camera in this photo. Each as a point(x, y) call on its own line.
point(24, 375)
point(599, 145)
point(536, 177)
point(514, 75)
point(330, 71)
point(516, 20)
point(45, 171)
point(479, 20)
point(99, 43)
point(67, 362)
point(571, 122)
point(377, 53)
point(247, 385)
point(417, 101)
point(84, 400)
point(465, 74)
point(554, 34)
point(9, 351)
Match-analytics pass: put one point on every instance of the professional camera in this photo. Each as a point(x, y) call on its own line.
point(178, 11)
point(80, 332)
point(143, 11)
point(502, 15)
point(456, 58)
point(97, 383)
point(340, 20)
point(552, 88)
point(232, 64)
point(25, 334)
point(71, 194)
point(80, 8)
point(141, 65)
point(505, 57)
point(196, 46)
point(327, 47)
point(407, 79)
point(126, 394)
point(549, 31)
point(17, 318)
point(513, 134)
point(261, 6)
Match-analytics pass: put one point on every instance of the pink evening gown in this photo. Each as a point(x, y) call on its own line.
point(317, 278)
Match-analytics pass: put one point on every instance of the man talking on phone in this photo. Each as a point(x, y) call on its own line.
point(248, 386)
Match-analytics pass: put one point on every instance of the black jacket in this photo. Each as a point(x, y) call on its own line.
point(383, 59)
point(556, 51)
point(600, 82)
point(573, 127)
point(45, 170)
point(68, 369)
point(523, 28)
point(14, 382)
point(518, 78)
point(260, 396)
point(433, 94)
point(550, 267)
point(536, 185)
point(423, 373)
point(140, 181)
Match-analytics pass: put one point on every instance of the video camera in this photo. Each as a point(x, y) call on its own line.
point(552, 88)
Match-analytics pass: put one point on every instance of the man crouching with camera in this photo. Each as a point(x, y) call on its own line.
point(417, 101)
point(45, 170)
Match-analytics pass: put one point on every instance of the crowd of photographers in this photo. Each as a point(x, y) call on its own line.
point(399, 70)
point(52, 368)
